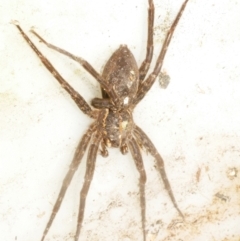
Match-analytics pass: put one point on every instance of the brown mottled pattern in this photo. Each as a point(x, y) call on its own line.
point(123, 86)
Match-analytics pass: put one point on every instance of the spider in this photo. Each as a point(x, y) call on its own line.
point(123, 86)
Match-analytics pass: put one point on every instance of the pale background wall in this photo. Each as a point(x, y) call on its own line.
point(194, 123)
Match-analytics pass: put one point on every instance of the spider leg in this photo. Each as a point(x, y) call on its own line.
point(147, 84)
point(79, 100)
point(81, 148)
point(146, 142)
point(104, 86)
point(146, 63)
point(136, 154)
point(80, 60)
point(91, 160)
point(103, 151)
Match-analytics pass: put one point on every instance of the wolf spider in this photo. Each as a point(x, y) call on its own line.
point(123, 86)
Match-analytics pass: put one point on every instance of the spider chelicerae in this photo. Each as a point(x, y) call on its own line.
point(123, 86)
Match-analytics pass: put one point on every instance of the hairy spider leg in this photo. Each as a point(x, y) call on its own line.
point(148, 145)
point(90, 167)
point(79, 100)
point(147, 84)
point(136, 154)
point(149, 54)
point(80, 150)
point(91, 161)
point(110, 92)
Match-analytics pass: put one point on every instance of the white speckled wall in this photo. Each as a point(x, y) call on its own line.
point(194, 122)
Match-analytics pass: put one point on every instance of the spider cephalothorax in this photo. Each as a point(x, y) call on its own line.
point(123, 85)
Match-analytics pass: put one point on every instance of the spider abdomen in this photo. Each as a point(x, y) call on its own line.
point(121, 74)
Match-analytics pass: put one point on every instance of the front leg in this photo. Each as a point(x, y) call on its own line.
point(136, 154)
point(80, 150)
point(91, 161)
point(146, 142)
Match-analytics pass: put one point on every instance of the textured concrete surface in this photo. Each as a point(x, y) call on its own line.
point(194, 122)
